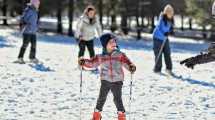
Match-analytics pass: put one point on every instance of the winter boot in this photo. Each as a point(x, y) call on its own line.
point(169, 72)
point(121, 116)
point(35, 60)
point(20, 61)
point(97, 116)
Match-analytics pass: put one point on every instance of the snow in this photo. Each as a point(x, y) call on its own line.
point(51, 91)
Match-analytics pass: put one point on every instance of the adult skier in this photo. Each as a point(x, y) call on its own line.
point(160, 39)
point(88, 27)
point(29, 24)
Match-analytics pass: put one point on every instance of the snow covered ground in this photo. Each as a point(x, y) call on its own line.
point(51, 91)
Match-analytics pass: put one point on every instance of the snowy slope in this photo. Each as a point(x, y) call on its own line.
point(51, 91)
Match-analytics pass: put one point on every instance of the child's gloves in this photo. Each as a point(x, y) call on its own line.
point(132, 68)
point(81, 61)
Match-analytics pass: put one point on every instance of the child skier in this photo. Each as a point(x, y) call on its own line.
point(29, 21)
point(111, 62)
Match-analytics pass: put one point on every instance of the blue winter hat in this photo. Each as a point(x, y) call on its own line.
point(105, 38)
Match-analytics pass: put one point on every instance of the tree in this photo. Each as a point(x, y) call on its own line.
point(48, 7)
point(154, 12)
point(124, 16)
point(179, 8)
point(59, 17)
point(70, 14)
point(200, 10)
point(137, 19)
point(4, 11)
point(101, 12)
point(112, 8)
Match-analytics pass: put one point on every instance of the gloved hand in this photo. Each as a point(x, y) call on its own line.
point(189, 62)
point(79, 39)
point(166, 33)
point(132, 68)
point(21, 25)
point(81, 62)
point(190, 65)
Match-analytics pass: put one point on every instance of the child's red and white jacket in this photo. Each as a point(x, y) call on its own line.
point(111, 65)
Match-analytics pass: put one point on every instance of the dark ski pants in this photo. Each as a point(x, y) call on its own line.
point(90, 46)
point(28, 38)
point(167, 55)
point(116, 89)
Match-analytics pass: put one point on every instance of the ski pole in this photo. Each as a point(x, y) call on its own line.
point(80, 99)
point(130, 99)
point(160, 52)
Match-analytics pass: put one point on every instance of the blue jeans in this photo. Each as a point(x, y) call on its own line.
point(166, 52)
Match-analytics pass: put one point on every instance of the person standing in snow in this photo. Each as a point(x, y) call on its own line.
point(29, 21)
point(111, 62)
point(160, 35)
point(87, 27)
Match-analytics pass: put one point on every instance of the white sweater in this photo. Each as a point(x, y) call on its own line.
point(86, 30)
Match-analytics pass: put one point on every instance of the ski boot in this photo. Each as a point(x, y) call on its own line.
point(97, 116)
point(121, 116)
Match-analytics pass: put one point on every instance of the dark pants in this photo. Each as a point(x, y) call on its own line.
point(28, 38)
point(90, 47)
point(167, 55)
point(116, 89)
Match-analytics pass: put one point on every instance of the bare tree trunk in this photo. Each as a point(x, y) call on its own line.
point(4, 10)
point(59, 18)
point(113, 16)
point(108, 18)
point(190, 23)
point(101, 12)
point(70, 13)
point(148, 21)
point(182, 22)
point(142, 21)
point(153, 6)
point(124, 23)
point(204, 32)
point(129, 22)
point(142, 15)
point(152, 23)
point(24, 3)
point(113, 23)
point(137, 20)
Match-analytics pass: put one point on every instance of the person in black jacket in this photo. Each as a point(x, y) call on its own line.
point(204, 57)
